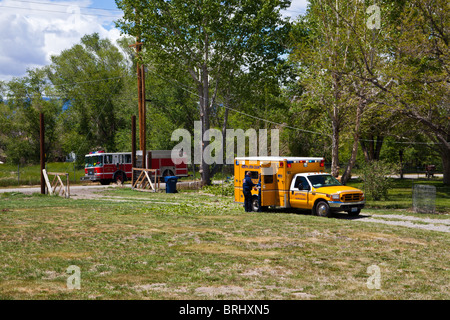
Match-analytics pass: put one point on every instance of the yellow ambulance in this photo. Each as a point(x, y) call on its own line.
point(295, 182)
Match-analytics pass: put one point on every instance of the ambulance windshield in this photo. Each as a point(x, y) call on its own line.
point(325, 180)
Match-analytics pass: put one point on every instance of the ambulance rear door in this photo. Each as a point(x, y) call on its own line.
point(268, 184)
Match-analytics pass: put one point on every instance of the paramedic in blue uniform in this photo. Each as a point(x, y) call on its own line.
point(247, 189)
point(258, 186)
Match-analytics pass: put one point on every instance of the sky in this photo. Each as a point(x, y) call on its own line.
point(34, 30)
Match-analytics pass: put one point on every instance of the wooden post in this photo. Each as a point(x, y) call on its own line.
point(133, 141)
point(67, 186)
point(133, 147)
point(47, 182)
point(141, 102)
point(42, 147)
point(144, 119)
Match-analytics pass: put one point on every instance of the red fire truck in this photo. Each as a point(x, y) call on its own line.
point(116, 167)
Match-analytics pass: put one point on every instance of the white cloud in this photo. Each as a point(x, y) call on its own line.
point(297, 7)
point(32, 31)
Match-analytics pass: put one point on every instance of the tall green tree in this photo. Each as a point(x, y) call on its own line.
point(324, 50)
point(414, 77)
point(26, 98)
point(206, 39)
point(421, 70)
point(90, 78)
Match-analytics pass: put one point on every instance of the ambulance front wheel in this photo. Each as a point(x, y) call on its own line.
point(322, 209)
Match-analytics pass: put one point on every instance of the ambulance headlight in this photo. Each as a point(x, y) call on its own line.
point(335, 196)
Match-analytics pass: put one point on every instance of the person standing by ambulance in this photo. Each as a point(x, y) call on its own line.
point(247, 189)
point(258, 186)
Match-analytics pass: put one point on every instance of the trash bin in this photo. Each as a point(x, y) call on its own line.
point(171, 184)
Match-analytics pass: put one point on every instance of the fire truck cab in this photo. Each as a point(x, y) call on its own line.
point(295, 182)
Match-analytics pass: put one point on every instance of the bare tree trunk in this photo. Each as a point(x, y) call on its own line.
point(204, 117)
point(217, 167)
point(372, 148)
point(348, 170)
point(446, 165)
point(335, 143)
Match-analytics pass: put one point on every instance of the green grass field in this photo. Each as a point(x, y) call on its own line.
point(12, 176)
point(190, 245)
point(400, 195)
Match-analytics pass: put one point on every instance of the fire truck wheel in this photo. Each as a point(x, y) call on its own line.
point(323, 209)
point(119, 178)
point(166, 173)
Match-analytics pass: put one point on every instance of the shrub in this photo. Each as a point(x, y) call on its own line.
point(376, 176)
point(217, 189)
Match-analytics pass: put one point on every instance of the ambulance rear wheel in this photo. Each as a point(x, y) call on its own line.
point(322, 209)
point(255, 205)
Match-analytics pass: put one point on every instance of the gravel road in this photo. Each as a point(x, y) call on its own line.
point(433, 224)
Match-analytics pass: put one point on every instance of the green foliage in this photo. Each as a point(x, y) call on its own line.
point(211, 42)
point(227, 189)
point(376, 178)
point(399, 72)
point(90, 77)
point(20, 133)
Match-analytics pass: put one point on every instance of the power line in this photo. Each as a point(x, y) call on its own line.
point(89, 81)
point(61, 12)
point(83, 7)
point(238, 111)
point(185, 88)
point(66, 5)
point(281, 124)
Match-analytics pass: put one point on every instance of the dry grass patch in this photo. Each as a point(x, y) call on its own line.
point(385, 237)
point(210, 248)
point(32, 289)
point(65, 255)
point(261, 239)
point(200, 230)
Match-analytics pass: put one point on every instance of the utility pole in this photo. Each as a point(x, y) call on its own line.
point(141, 99)
point(141, 103)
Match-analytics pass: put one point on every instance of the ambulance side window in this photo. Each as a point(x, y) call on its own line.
point(254, 175)
point(268, 179)
point(301, 184)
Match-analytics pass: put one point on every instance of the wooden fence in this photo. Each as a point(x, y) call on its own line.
point(57, 186)
point(142, 179)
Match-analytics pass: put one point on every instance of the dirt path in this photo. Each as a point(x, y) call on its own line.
point(432, 224)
